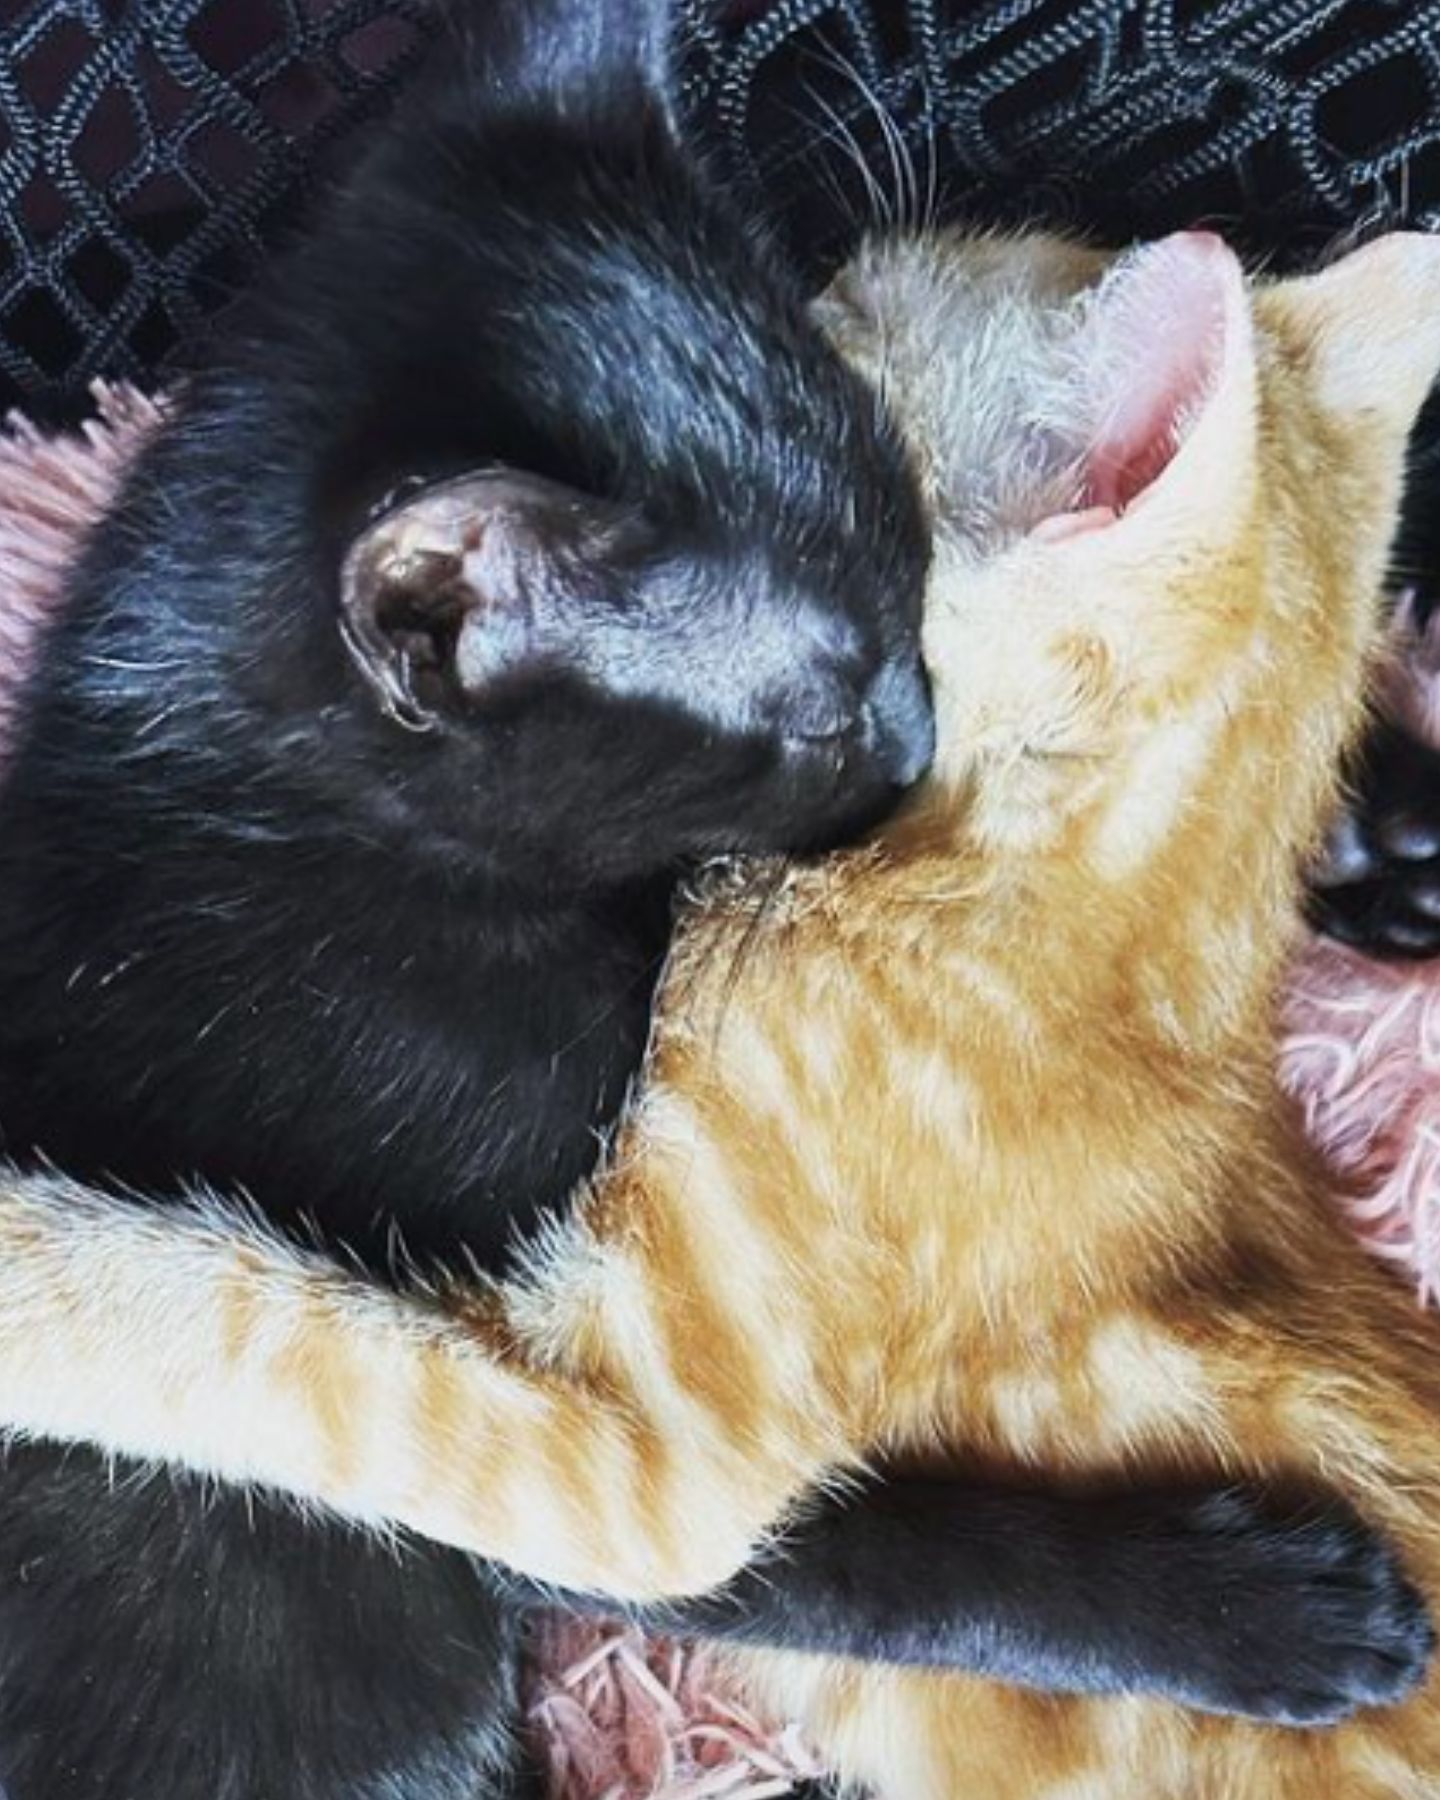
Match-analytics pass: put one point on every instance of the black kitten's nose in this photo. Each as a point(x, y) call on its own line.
point(900, 717)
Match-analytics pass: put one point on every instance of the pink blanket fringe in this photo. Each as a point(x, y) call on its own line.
point(615, 1716)
point(1360, 1043)
point(51, 487)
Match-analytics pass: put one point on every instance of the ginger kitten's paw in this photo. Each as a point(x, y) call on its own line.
point(1321, 1618)
point(1378, 884)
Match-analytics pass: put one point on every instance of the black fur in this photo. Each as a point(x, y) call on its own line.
point(304, 887)
point(1069, 1595)
point(1378, 886)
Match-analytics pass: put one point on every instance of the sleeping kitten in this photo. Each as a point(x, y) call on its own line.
point(277, 871)
point(361, 905)
point(1047, 1132)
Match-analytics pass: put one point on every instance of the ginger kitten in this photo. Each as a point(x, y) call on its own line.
point(968, 1147)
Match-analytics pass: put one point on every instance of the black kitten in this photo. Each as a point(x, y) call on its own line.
point(337, 862)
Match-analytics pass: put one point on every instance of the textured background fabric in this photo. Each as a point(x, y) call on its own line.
point(150, 149)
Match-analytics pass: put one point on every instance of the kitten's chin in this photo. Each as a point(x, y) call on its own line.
point(898, 725)
point(860, 819)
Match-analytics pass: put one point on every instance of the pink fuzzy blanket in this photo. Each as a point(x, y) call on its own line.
point(615, 1717)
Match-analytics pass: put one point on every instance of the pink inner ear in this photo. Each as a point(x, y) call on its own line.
point(1155, 344)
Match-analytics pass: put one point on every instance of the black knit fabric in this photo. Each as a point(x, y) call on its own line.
point(1286, 122)
point(150, 149)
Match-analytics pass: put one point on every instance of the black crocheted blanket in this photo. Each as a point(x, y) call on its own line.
point(151, 149)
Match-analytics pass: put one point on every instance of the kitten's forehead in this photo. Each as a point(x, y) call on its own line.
point(970, 341)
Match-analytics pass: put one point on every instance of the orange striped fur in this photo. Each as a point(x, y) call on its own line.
point(965, 1146)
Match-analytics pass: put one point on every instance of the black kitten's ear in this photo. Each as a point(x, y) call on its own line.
point(470, 591)
point(591, 55)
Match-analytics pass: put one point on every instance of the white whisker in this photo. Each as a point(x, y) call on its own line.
point(903, 210)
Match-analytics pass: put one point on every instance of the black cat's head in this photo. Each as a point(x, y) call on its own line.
point(625, 565)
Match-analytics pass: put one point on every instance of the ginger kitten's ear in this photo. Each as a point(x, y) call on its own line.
point(1167, 356)
point(1369, 327)
point(1166, 344)
point(1165, 370)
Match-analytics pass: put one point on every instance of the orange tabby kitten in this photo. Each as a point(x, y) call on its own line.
point(971, 1145)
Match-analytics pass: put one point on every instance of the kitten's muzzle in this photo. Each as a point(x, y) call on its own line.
point(899, 723)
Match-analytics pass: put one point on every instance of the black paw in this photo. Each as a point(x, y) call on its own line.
point(1378, 884)
point(1305, 1616)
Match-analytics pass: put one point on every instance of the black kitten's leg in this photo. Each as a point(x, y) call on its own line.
point(1379, 884)
point(159, 1644)
point(1227, 1601)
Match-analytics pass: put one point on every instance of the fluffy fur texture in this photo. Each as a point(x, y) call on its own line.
point(337, 860)
point(54, 486)
point(1360, 1049)
point(1089, 729)
point(611, 1713)
point(454, 947)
